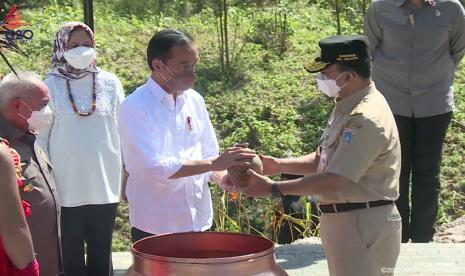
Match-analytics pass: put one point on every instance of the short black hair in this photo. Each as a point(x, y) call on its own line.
point(362, 68)
point(161, 43)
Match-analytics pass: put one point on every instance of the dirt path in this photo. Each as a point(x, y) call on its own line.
point(453, 232)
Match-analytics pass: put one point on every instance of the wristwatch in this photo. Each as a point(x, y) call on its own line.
point(275, 191)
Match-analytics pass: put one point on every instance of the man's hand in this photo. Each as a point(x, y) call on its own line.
point(257, 185)
point(124, 198)
point(271, 165)
point(222, 180)
point(132, 272)
point(231, 157)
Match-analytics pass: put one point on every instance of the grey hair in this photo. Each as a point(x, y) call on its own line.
point(19, 86)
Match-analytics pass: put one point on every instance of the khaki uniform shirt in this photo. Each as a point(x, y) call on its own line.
point(40, 192)
point(361, 143)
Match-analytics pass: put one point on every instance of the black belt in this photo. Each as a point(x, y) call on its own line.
point(344, 207)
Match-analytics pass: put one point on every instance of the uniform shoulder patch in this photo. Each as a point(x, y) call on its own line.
point(353, 124)
point(350, 129)
point(356, 112)
point(347, 135)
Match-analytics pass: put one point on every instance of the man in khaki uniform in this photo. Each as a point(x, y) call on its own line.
point(22, 105)
point(354, 174)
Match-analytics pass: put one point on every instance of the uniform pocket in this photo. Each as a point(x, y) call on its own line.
point(394, 218)
point(377, 223)
point(361, 228)
point(29, 172)
point(29, 190)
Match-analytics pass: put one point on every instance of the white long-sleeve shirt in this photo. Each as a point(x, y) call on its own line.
point(85, 151)
point(157, 136)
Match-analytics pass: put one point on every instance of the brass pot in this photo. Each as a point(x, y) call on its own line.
point(204, 253)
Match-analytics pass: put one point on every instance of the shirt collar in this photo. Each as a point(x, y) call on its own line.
point(159, 93)
point(400, 2)
point(348, 103)
point(11, 132)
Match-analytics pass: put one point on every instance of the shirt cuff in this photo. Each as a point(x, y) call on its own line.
point(347, 173)
point(171, 165)
point(209, 177)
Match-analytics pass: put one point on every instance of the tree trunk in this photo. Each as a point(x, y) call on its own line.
point(225, 32)
point(338, 18)
point(161, 6)
point(221, 41)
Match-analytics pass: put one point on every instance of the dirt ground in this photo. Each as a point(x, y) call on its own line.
point(453, 232)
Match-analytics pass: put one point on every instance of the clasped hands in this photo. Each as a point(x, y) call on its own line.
point(250, 182)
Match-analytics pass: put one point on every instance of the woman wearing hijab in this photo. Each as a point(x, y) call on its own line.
point(84, 147)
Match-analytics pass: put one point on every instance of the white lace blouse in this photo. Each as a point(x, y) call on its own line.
point(85, 151)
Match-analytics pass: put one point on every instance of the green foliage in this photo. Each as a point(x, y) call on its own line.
point(272, 32)
point(452, 197)
point(349, 12)
point(121, 238)
point(267, 99)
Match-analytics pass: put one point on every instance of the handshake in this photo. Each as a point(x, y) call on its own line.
point(243, 166)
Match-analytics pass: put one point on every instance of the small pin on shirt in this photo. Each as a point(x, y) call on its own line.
point(411, 18)
point(189, 123)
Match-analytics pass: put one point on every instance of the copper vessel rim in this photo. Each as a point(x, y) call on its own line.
point(204, 261)
point(226, 260)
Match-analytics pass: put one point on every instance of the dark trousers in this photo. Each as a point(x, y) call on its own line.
point(421, 143)
point(288, 230)
point(91, 225)
point(137, 234)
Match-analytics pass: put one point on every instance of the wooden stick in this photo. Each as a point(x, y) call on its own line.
point(8, 63)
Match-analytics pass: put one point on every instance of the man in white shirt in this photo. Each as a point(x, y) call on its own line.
point(169, 146)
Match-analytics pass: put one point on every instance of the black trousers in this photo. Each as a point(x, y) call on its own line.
point(421, 143)
point(137, 234)
point(289, 231)
point(91, 225)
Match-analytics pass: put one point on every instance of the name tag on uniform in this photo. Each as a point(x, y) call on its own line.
point(323, 164)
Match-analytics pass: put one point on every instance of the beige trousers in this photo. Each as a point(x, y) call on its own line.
point(364, 242)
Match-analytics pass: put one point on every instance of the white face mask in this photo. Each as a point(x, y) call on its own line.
point(329, 87)
point(80, 57)
point(39, 119)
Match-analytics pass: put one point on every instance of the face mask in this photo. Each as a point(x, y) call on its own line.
point(80, 57)
point(38, 119)
point(178, 81)
point(329, 87)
